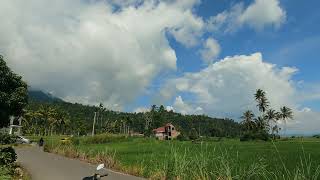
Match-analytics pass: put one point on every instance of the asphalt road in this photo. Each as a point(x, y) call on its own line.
point(47, 166)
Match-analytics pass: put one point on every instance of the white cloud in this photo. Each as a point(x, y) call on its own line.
point(259, 14)
point(262, 13)
point(184, 108)
point(226, 87)
point(211, 50)
point(169, 108)
point(141, 109)
point(306, 121)
point(92, 51)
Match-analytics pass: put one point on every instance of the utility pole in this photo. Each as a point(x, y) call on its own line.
point(94, 122)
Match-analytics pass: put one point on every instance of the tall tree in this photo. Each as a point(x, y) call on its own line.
point(272, 117)
point(262, 100)
point(13, 94)
point(247, 118)
point(285, 113)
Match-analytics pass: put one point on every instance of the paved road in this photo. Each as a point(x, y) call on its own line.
point(47, 166)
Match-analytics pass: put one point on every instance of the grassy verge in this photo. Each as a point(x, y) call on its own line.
point(226, 159)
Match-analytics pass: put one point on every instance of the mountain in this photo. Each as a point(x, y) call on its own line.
point(38, 95)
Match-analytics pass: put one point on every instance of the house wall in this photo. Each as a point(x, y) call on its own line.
point(160, 136)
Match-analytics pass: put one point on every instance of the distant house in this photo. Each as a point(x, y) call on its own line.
point(166, 132)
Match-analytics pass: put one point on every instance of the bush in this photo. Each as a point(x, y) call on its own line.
point(316, 136)
point(249, 136)
point(7, 139)
point(75, 140)
point(182, 137)
point(7, 156)
point(193, 134)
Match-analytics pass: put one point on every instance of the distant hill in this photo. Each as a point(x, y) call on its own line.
point(38, 95)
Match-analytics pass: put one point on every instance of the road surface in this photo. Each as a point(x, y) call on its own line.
point(47, 166)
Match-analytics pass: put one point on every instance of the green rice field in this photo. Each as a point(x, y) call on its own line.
point(297, 158)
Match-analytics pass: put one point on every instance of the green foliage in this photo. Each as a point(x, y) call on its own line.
point(182, 137)
point(7, 138)
point(316, 136)
point(193, 135)
point(7, 156)
point(46, 120)
point(250, 136)
point(104, 138)
point(264, 126)
point(13, 94)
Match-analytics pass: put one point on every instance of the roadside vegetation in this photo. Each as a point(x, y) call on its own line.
point(9, 169)
point(13, 99)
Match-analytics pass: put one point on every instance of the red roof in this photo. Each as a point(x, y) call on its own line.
point(159, 130)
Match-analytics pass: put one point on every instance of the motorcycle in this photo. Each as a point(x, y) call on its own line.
point(96, 176)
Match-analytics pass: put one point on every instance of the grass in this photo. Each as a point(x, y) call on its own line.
point(226, 159)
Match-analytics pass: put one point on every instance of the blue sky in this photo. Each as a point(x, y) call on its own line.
point(193, 56)
point(294, 44)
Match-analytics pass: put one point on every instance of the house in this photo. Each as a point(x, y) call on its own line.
point(166, 132)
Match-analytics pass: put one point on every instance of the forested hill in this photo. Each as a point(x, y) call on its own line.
point(42, 96)
point(78, 118)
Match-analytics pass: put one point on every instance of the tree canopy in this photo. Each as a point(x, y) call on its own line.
point(13, 93)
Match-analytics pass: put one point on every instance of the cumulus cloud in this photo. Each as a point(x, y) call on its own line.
point(93, 51)
point(210, 51)
point(226, 87)
point(184, 108)
point(259, 14)
point(306, 121)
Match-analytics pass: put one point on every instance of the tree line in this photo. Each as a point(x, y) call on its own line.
point(72, 118)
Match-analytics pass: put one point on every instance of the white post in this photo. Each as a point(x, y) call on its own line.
point(19, 128)
point(94, 123)
point(11, 123)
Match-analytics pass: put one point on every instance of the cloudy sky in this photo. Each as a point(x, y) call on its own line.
point(193, 56)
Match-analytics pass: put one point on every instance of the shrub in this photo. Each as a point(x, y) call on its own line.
point(7, 139)
point(193, 134)
point(182, 137)
point(75, 140)
point(249, 136)
point(316, 136)
point(7, 156)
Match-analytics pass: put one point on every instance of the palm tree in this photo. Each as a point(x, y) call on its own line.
point(261, 123)
point(263, 102)
point(285, 113)
point(275, 130)
point(259, 93)
point(247, 118)
point(271, 116)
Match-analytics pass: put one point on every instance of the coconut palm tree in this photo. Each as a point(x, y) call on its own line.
point(263, 102)
point(259, 94)
point(285, 113)
point(261, 123)
point(272, 116)
point(247, 118)
point(275, 130)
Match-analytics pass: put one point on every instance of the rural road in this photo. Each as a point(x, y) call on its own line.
point(47, 166)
